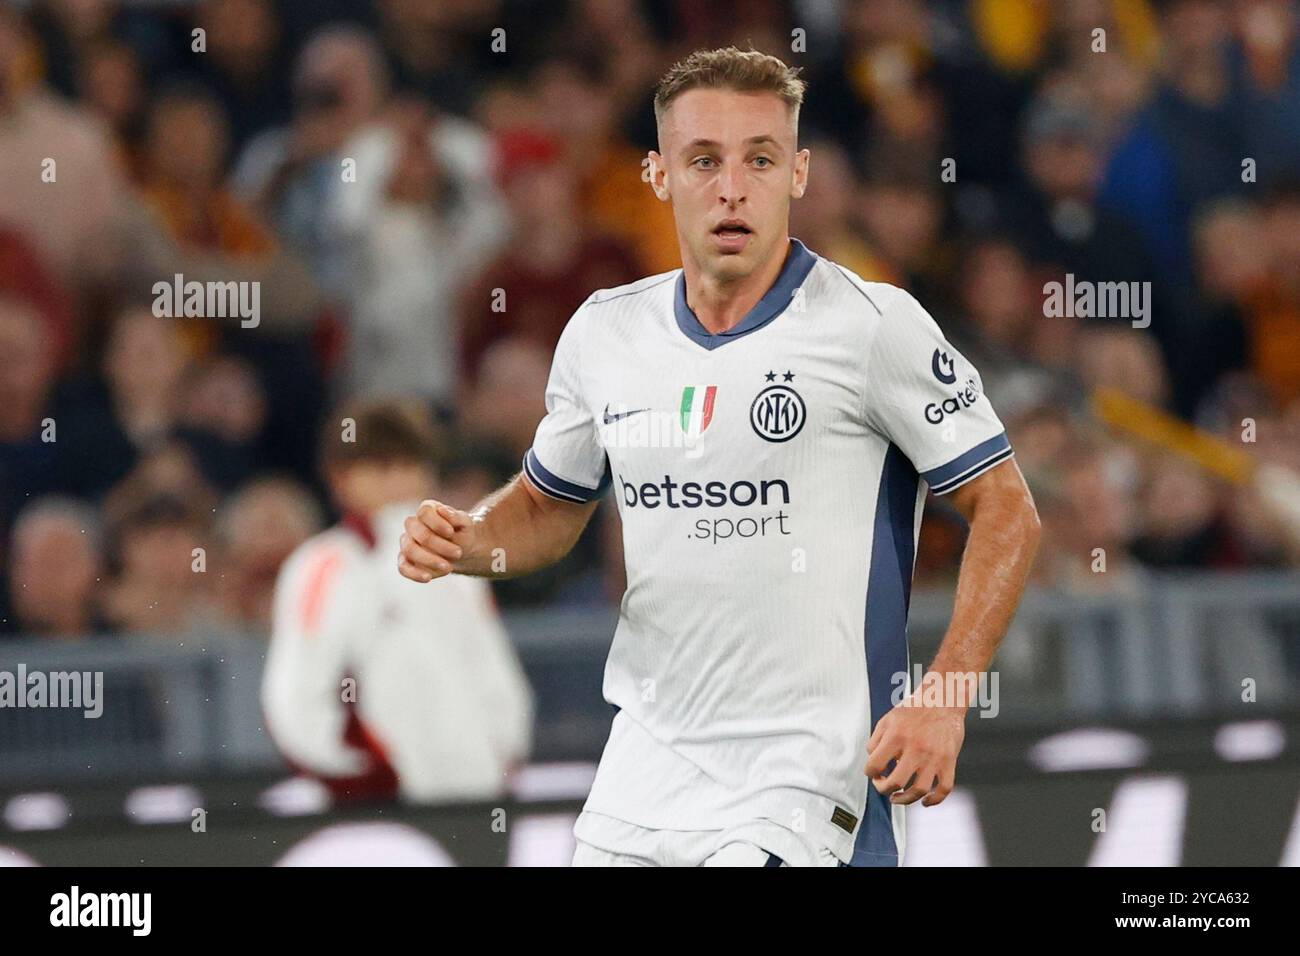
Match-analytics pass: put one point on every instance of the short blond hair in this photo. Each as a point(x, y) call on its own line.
point(730, 68)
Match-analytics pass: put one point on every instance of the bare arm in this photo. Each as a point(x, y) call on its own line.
point(513, 531)
point(1004, 533)
point(923, 738)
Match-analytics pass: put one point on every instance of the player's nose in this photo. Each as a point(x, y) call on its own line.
point(731, 184)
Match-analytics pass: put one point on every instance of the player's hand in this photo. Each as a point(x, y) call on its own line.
point(922, 741)
point(436, 537)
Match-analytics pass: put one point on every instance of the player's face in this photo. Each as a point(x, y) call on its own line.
point(730, 165)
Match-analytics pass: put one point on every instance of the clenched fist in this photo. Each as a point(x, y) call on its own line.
point(436, 537)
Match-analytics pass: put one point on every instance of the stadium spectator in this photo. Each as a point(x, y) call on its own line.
point(1233, 269)
point(221, 239)
point(62, 200)
point(902, 210)
point(112, 83)
point(28, 458)
point(25, 278)
point(223, 418)
point(574, 104)
point(1093, 513)
point(1022, 36)
point(621, 30)
point(186, 146)
point(55, 580)
point(257, 528)
point(435, 49)
point(1121, 360)
point(1062, 226)
point(107, 421)
point(1073, 236)
point(533, 287)
point(144, 366)
point(1181, 519)
point(340, 82)
point(1274, 322)
point(886, 50)
point(1261, 535)
point(171, 470)
point(242, 63)
point(824, 218)
point(374, 684)
point(421, 216)
point(1185, 147)
point(999, 322)
point(159, 584)
point(506, 402)
point(1266, 77)
point(71, 31)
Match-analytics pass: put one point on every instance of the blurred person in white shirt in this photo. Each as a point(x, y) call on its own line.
point(375, 685)
point(420, 218)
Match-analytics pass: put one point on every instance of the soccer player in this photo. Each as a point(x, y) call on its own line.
point(769, 424)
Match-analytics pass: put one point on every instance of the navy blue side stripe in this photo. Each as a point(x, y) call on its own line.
point(969, 465)
point(774, 860)
point(889, 595)
point(556, 487)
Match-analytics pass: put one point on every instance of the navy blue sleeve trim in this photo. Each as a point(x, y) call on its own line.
point(969, 465)
point(556, 487)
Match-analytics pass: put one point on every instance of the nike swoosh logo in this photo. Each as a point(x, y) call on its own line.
point(611, 419)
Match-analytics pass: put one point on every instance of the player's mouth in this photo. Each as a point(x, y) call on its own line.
point(732, 235)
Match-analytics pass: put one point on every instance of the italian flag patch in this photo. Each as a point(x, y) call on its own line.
point(697, 408)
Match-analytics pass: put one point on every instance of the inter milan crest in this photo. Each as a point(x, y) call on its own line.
point(778, 412)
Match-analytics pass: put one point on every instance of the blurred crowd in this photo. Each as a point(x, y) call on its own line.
point(425, 191)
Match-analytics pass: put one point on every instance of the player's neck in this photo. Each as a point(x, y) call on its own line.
point(721, 305)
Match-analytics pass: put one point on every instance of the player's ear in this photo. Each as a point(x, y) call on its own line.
point(799, 185)
point(653, 172)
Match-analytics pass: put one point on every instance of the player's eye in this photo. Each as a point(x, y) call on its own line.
point(762, 162)
point(704, 162)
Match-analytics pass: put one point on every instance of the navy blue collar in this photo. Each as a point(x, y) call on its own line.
point(798, 263)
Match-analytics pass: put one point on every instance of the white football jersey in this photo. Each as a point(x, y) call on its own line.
point(770, 481)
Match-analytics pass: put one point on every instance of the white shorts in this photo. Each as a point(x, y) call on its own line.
point(606, 841)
